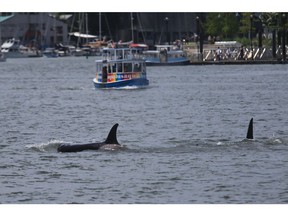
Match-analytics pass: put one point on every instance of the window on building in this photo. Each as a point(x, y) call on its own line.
point(59, 30)
point(59, 38)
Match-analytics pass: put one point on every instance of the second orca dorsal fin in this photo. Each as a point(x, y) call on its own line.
point(112, 136)
point(250, 130)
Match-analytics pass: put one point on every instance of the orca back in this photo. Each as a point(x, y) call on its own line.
point(112, 136)
point(250, 130)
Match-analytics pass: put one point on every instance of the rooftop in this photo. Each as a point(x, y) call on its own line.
point(3, 18)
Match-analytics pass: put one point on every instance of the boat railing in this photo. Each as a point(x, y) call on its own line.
point(121, 65)
point(121, 54)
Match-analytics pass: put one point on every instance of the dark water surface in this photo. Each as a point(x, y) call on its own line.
point(184, 134)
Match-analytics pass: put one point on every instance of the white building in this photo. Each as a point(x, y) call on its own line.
point(41, 29)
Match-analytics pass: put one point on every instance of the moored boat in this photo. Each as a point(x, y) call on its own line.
point(50, 52)
point(12, 48)
point(121, 67)
point(2, 57)
point(165, 55)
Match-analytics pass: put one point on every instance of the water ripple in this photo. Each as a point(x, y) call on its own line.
point(185, 135)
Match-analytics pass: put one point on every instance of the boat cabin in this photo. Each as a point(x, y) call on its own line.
point(121, 54)
point(119, 70)
point(119, 65)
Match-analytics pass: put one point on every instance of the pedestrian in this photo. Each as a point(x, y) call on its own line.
point(218, 54)
point(242, 53)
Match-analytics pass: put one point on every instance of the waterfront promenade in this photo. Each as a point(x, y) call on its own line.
point(231, 54)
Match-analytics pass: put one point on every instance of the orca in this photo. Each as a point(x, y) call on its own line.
point(250, 130)
point(110, 143)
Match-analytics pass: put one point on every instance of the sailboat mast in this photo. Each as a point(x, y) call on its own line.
point(132, 28)
point(71, 28)
point(80, 28)
point(87, 27)
point(54, 29)
point(0, 34)
point(100, 33)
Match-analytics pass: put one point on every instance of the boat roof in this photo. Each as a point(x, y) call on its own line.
point(163, 46)
point(143, 46)
point(81, 35)
point(169, 52)
point(113, 49)
point(3, 18)
point(151, 51)
point(120, 61)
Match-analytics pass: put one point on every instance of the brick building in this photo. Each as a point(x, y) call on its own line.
point(40, 28)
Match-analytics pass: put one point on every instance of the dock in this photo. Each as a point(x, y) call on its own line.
point(237, 62)
point(230, 55)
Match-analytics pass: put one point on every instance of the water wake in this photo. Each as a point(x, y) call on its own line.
point(50, 146)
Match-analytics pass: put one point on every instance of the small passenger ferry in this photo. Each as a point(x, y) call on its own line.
point(120, 67)
point(165, 55)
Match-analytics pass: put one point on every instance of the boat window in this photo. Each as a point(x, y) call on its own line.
point(137, 67)
point(98, 67)
point(110, 68)
point(120, 54)
point(119, 67)
point(104, 74)
point(114, 68)
point(127, 54)
point(127, 67)
point(143, 66)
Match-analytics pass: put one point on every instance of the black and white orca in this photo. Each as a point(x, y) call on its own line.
point(250, 130)
point(110, 143)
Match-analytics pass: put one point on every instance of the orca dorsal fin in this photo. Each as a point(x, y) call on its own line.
point(250, 130)
point(112, 136)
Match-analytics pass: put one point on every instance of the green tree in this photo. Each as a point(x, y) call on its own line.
point(230, 25)
point(274, 21)
point(212, 24)
point(224, 25)
point(246, 24)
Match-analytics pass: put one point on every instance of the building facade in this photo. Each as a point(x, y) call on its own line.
point(41, 29)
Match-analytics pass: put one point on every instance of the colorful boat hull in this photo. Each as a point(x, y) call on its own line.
point(139, 82)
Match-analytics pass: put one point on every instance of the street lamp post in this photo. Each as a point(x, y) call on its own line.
point(199, 31)
point(283, 37)
point(167, 31)
point(132, 27)
point(251, 45)
point(274, 43)
point(100, 27)
point(260, 33)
